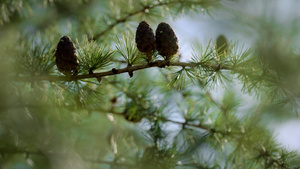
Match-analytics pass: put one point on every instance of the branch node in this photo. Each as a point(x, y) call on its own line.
point(99, 78)
point(161, 64)
point(168, 62)
point(91, 71)
point(130, 73)
point(114, 70)
point(151, 64)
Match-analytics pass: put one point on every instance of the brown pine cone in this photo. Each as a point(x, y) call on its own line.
point(66, 56)
point(222, 46)
point(145, 39)
point(166, 40)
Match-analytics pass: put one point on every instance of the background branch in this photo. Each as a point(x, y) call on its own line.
point(142, 10)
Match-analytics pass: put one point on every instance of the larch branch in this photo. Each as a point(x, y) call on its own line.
point(158, 63)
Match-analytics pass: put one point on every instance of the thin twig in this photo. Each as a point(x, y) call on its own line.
point(189, 124)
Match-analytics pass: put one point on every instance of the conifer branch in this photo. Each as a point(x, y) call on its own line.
point(144, 9)
point(158, 63)
point(201, 126)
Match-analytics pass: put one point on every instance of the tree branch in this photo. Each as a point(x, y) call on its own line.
point(158, 63)
point(144, 9)
point(200, 126)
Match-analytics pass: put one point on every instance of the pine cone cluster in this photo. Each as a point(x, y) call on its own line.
point(165, 41)
point(145, 39)
point(66, 56)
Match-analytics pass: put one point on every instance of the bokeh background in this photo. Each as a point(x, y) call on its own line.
point(247, 22)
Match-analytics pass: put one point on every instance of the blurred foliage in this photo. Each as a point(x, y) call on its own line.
point(166, 117)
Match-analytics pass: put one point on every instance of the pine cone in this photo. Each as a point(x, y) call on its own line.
point(145, 39)
point(166, 40)
point(66, 56)
point(222, 46)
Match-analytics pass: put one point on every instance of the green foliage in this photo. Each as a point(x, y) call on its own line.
point(178, 79)
point(34, 57)
point(128, 50)
point(93, 56)
point(170, 114)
